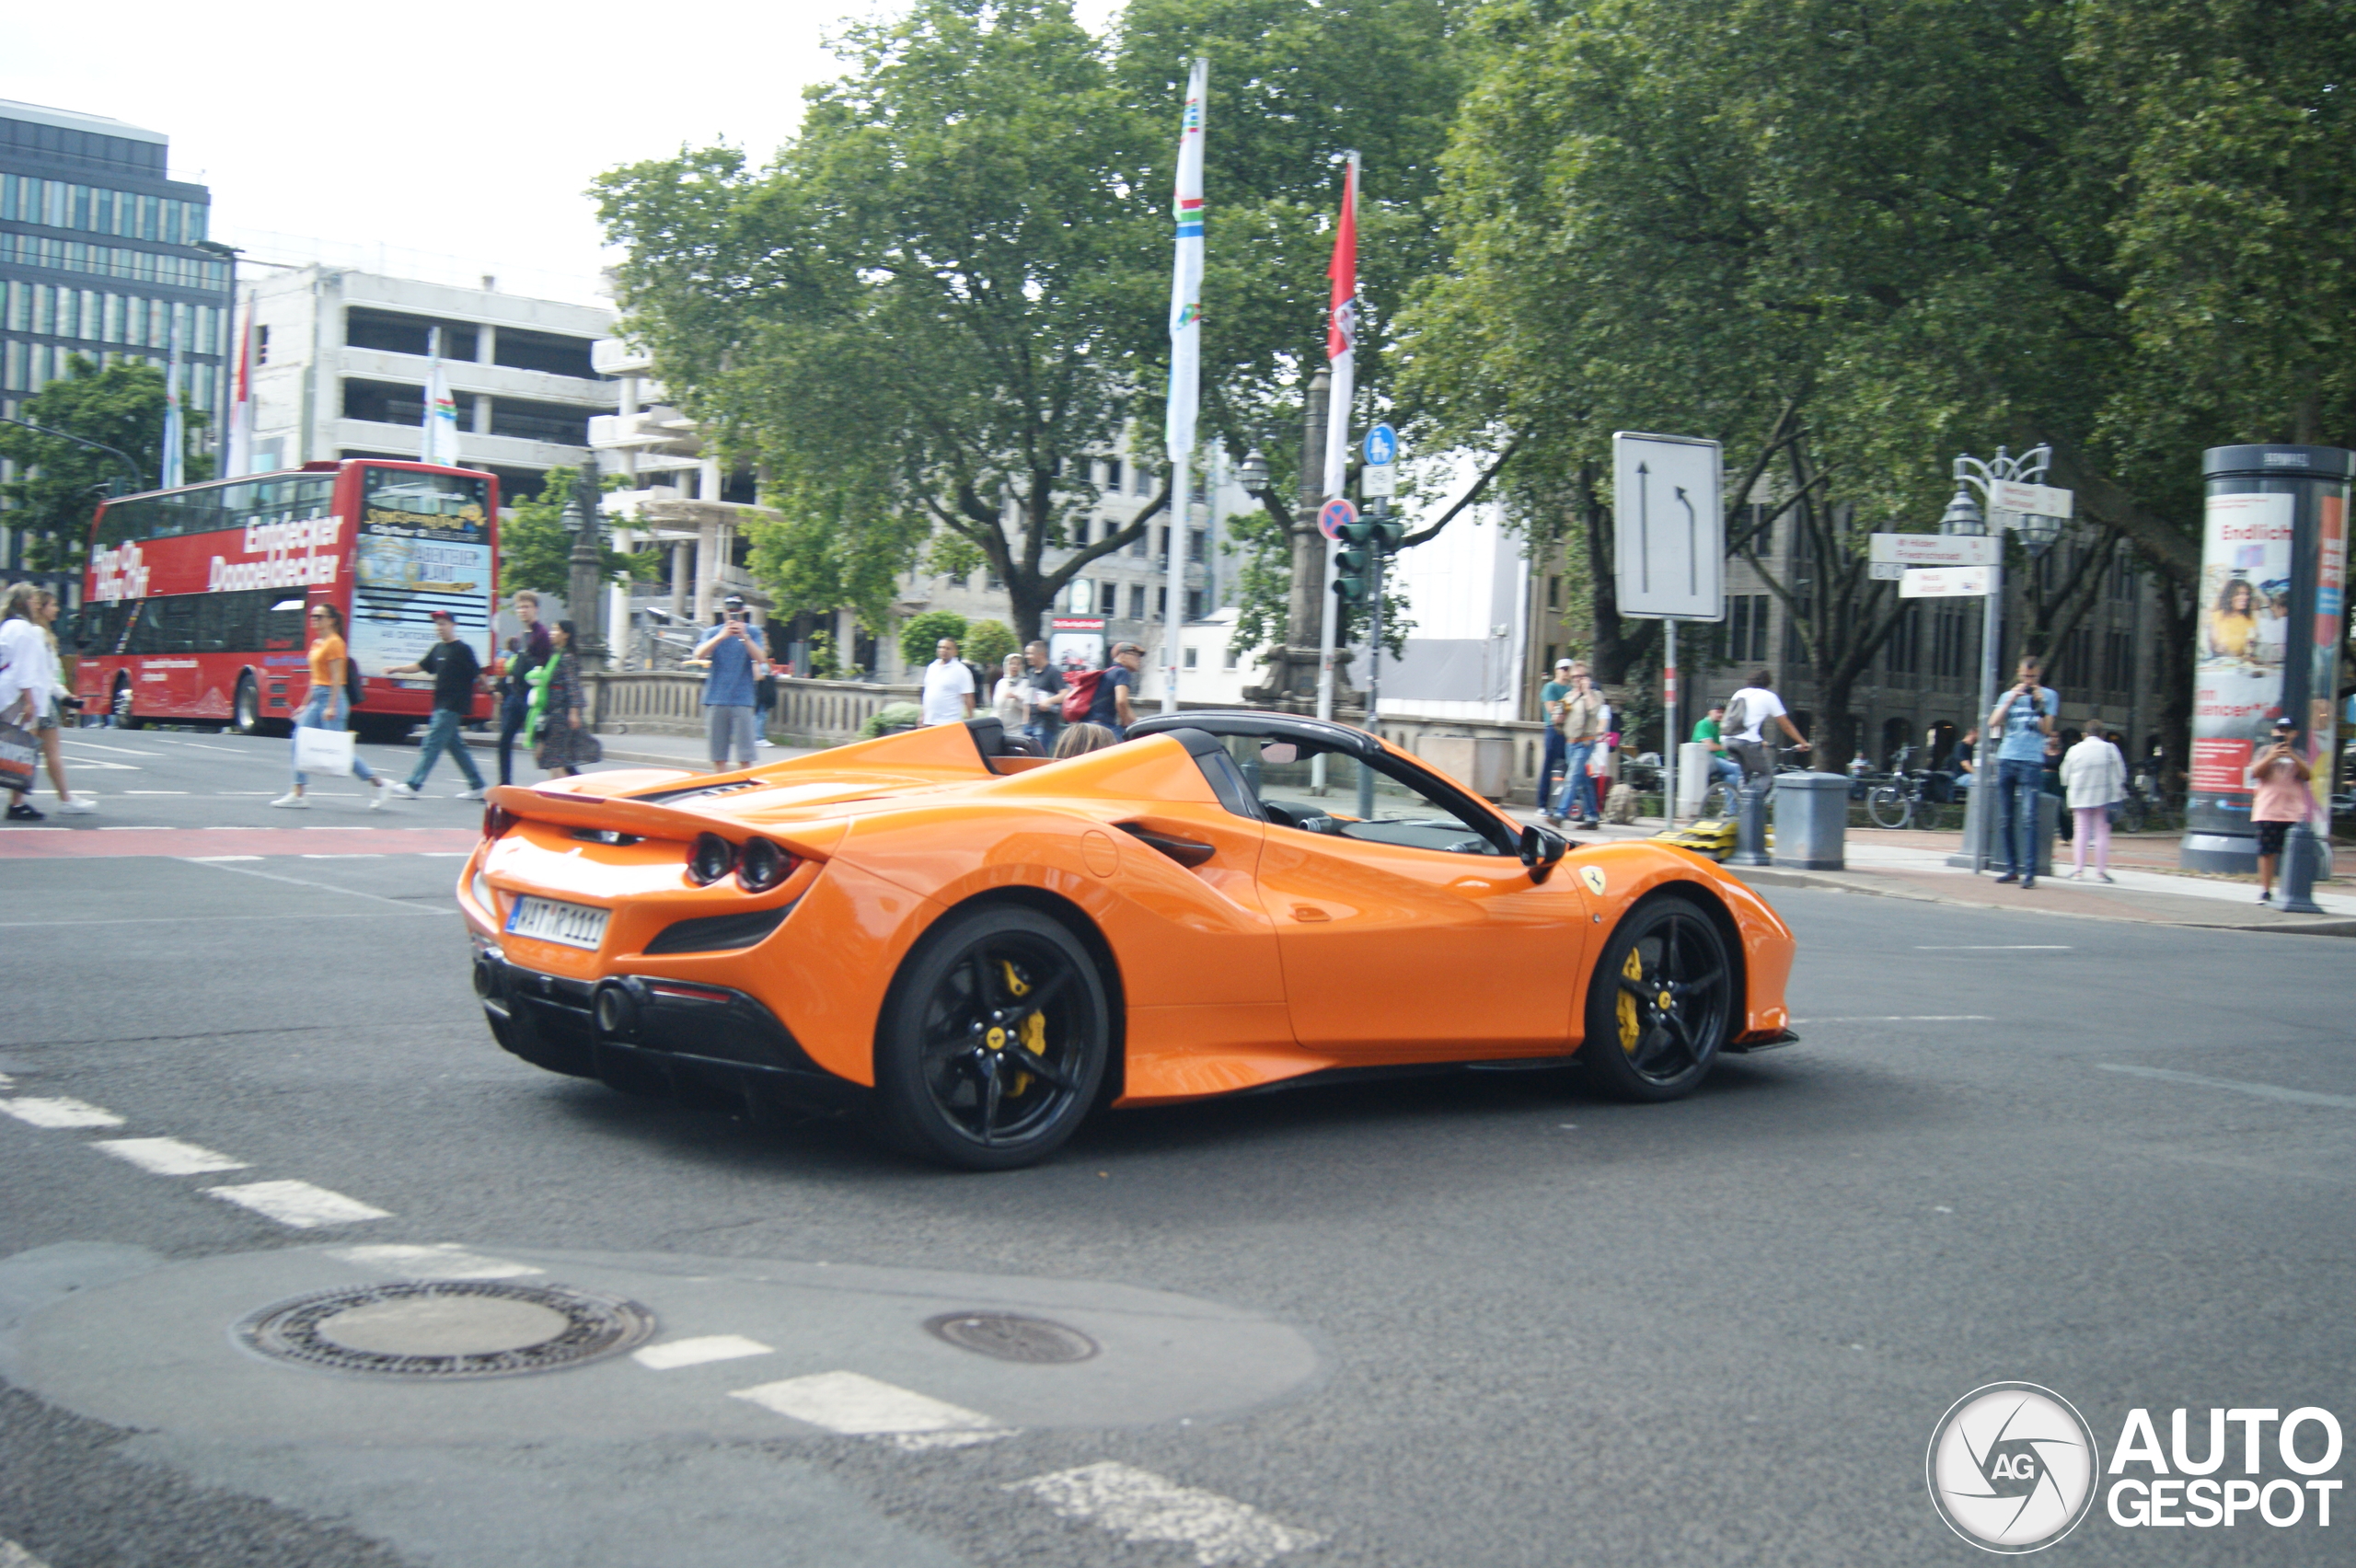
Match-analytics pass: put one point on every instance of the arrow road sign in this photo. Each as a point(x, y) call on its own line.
point(1335, 515)
point(1381, 446)
point(1671, 526)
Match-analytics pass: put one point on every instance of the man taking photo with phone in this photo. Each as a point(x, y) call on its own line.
point(2025, 717)
point(737, 666)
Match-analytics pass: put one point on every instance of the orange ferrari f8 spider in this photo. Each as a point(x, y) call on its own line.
point(976, 947)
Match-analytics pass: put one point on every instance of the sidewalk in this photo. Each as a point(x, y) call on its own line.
point(2145, 888)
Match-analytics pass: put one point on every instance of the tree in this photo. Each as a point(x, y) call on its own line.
point(920, 636)
point(987, 643)
point(535, 546)
point(58, 483)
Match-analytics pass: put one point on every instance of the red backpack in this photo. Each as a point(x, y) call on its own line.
point(1082, 695)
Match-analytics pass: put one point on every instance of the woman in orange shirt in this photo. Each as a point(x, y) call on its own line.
point(323, 710)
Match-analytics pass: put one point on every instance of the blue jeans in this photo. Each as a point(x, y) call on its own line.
point(512, 708)
point(1043, 734)
point(442, 734)
point(1552, 766)
point(2018, 784)
point(1577, 799)
point(1725, 770)
point(323, 710)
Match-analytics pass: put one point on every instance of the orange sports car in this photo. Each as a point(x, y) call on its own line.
point(976, 947)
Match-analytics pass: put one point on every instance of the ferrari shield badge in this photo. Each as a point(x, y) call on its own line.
point(1593, 877)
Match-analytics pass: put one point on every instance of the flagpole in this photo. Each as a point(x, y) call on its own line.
point(1341, 348)
point(1185, 367)
point(428, 437)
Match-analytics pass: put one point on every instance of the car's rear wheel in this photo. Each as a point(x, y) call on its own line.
point(993, 1042)
point(1661, 1004)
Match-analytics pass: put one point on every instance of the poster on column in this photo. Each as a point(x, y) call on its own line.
point(2240, 630)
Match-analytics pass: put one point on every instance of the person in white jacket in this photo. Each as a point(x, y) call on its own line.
point(2094, 776)
point(30, 689)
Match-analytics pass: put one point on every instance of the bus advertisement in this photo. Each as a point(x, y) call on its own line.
point(195, 599)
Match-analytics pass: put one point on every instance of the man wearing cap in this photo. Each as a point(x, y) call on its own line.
point(736, 666)
point(1111, 707)
point(1550, 711)
point(2278, 777)
point(457, 672)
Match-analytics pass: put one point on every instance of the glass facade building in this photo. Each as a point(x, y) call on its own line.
point(102, 254)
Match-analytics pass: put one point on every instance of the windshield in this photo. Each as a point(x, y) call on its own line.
point(424, 545)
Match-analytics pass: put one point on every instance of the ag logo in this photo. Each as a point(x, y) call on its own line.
point(1593, 877)
point(2012, 1467)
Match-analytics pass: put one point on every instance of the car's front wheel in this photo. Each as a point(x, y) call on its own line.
point(993, 1042)
point(1660, 1005)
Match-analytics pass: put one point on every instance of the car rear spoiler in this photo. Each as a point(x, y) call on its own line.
point(565, 809)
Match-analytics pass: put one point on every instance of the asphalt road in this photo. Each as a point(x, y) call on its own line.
point(1488, 1319)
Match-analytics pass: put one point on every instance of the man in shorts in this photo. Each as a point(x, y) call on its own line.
point(2278, 780)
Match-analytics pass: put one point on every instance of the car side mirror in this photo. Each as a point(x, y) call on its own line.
point(1540, 848)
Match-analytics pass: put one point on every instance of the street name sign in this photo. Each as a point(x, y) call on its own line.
point(1671, 526)
point(2036, 501)
point(1946, 582)
point(1934, 549)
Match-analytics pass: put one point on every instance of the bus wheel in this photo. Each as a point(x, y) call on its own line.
point(121, 707)
point(246, 709)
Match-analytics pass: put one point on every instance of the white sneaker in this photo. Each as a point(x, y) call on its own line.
point(400, 791)
point(82, 807)
point(379, 795)
point(765, 743)
point(474, 794)
point(293, 802)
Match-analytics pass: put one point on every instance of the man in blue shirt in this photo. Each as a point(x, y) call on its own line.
point(735, 662)
point(1112, 706)
point(2024, 719)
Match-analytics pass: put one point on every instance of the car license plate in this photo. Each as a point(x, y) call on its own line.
point(574, 924)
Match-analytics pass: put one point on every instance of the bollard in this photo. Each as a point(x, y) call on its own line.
point(1750, 826)
point(2301, 856)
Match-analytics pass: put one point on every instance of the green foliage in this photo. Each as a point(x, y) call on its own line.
point(891, 716)
point(58, 483)
point(987, 643)
point(920, 635)
point(536, 547)
point(1263, 548)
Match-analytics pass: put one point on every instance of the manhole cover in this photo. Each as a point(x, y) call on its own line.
point(1010, 1337)
point(440, 1329)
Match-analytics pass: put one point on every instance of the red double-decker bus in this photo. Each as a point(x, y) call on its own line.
point(195, 599)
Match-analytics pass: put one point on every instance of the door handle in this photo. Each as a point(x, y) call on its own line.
point(1309, 913)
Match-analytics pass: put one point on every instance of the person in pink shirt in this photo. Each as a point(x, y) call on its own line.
point(2278, 777)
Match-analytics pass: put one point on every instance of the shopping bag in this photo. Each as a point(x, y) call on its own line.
point(323, 751)
point(17, 753)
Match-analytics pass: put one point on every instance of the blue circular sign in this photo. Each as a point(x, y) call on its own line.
point(1333, 515)
point(1382, 446)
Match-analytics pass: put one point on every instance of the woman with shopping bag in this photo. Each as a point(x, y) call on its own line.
point(322, 742)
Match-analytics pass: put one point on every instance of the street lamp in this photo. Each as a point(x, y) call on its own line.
point(1963, 516)
point(1254, 475)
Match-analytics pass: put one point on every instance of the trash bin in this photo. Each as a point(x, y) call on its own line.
point(1811, 820)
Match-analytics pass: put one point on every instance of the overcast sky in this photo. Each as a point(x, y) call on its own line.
point(467, 130)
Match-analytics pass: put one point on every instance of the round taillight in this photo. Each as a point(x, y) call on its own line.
point(762, 866)
point(496, 820)
point(709, 859)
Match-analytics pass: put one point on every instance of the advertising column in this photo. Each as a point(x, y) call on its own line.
point(2267, 632)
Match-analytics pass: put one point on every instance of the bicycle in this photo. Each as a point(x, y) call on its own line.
point(1896, 802)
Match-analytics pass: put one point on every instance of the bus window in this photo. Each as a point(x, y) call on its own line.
point(398, 496)
point(178, 635)
point(282, 626)
point(216, 622)
point(141, 635)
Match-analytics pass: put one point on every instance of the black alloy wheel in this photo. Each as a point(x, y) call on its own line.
point(1661, 1004)
point(245, 708)
point(993, 1042)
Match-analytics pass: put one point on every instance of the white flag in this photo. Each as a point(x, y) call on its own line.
point(1186, 277)
point(441, 443)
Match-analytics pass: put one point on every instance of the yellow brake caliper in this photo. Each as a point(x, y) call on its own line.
point(1033, 1031)
point(1632, 1028)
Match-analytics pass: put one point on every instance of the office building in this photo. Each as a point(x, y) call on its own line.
point(103, 254)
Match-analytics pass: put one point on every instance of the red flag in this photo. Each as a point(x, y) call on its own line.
point(1341, 327)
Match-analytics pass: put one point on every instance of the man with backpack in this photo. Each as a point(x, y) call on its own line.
point(1109, 703)
point(1748, 713)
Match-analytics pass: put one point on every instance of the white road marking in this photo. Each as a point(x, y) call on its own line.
point(15, 1556)
point(329, 887)
point(445, 1260)
point(860, 1406)
point(144, 827)
point(1905, 1018)
point(695, 1352)
point(1994, 946)
point(297, 1204)
point(232, 750)
point(217, 859)
point(1140, 1506)
point(100, 765)
point(155, 791)
point(127, 751)
point(2260, 1090)
point(169, 1157)
point(60, 1113)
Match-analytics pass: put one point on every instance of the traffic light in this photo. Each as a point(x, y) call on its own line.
point(1355, 563)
